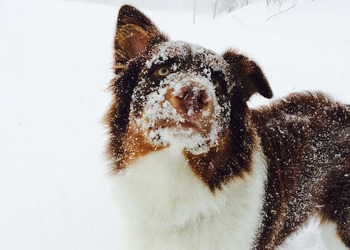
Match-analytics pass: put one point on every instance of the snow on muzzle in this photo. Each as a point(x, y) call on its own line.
point(184, 107)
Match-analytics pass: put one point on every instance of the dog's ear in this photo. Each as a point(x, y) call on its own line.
point(248, 74)
point(135, 33)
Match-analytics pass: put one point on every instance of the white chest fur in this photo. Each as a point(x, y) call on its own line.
point(164, 206)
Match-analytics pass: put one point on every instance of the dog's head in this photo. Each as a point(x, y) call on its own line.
point(170, 93)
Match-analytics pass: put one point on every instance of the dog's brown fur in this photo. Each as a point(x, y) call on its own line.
point(306, 140)
point(305, 137)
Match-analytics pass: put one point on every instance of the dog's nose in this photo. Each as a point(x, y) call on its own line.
point(192, 97)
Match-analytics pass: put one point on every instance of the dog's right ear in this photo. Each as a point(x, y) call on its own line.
point(135, 33)
point(248, 75)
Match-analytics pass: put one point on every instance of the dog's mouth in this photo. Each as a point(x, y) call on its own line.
point(196, 133)
point(192, 136)
point(187, 125)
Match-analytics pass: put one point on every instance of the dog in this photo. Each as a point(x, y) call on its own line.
point(195, 168)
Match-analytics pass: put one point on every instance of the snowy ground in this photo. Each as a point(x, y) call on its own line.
point(55, 59)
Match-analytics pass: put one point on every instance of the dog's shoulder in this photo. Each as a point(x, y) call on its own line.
point(306, 139)
point(300, 118)
point(313, 108)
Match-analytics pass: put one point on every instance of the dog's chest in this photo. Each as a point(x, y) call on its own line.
point(166, 206)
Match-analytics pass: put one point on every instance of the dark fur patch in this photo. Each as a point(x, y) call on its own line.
point(248, 74)
point(306, 140)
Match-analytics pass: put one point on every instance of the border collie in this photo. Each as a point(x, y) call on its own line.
point(196, 169)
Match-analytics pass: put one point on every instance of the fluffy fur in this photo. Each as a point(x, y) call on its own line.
point(195, 168)
point(165, 206)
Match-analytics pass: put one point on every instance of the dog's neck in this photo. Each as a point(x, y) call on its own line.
point(169, 207)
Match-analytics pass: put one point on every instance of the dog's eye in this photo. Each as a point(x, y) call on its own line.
point(162, 71)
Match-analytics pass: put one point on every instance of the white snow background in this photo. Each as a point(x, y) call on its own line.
point(55, 60)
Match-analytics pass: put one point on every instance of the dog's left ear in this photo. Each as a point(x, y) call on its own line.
point(135, 33)
point(248, 74)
